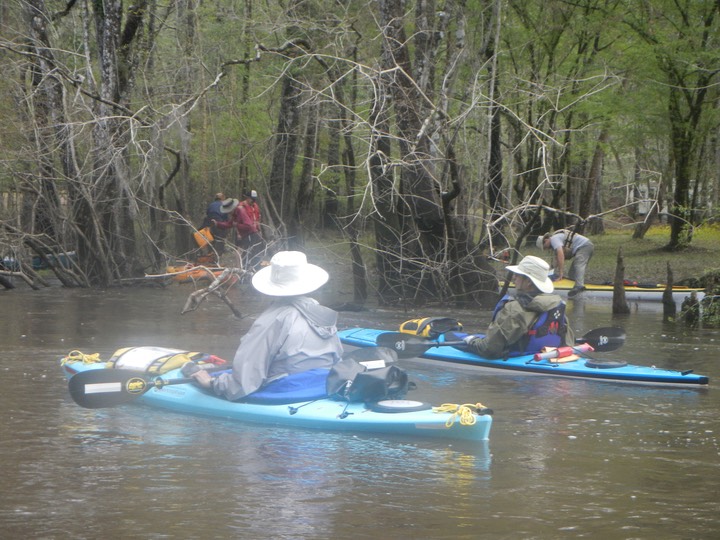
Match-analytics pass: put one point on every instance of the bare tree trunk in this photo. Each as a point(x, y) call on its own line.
point(305, 191)
point(185, 189)
point(619, 303)
point(669, 305)
point(642, 228)
point(285, 153)
point(47, 114)
point(422, 232)
point(341, 130)
point(387, 244)
point(589, 199)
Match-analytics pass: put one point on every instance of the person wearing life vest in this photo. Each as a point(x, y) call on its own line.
point(533, 319)
point(249, 231)
point(245, 218)
point(569, 245)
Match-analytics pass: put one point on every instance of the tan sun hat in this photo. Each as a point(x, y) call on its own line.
point(228, 205)
point(537, 270)
point(289, 274)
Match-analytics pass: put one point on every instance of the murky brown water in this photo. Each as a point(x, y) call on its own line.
point(566, 458)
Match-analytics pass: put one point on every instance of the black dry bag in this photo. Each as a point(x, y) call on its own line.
point(360, 380)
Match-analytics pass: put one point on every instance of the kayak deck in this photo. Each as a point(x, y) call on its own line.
point(323, 414)
point(607, 371)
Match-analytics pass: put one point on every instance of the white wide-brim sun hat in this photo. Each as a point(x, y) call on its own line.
point(289, 274)
point(537, 270)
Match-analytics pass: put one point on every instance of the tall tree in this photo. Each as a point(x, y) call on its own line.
point(683, 42)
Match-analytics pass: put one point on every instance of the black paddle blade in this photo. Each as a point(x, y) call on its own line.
point(405, 345)
point(98, 388)
point(604, 339)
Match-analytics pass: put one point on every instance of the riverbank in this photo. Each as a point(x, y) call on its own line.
point(646, 260)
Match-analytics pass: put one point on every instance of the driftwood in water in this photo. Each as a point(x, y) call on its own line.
point(219, 287)
point(6, 282)
point(27, 274)
point(669, 306)
point(619, 304)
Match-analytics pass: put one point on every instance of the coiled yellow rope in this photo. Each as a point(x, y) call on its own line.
point(77, 356)
point(466, 412)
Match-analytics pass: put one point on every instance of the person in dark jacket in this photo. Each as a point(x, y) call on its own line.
point(212, 212)
point(213, 215)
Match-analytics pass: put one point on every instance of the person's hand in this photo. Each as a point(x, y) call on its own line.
point(214, 222)
point(555, 277)
point(469, 339)
point(203, 378)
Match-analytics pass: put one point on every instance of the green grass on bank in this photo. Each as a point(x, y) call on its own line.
point(646, 261)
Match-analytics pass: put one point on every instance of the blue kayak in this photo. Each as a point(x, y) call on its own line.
point(582, 367)
point(171, 392)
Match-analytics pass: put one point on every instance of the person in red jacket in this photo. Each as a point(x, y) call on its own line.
point(253, 210)
point(245, 219)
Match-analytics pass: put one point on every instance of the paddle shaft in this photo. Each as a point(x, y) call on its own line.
point(160, 382)
point(578, 341)
point(408, 346)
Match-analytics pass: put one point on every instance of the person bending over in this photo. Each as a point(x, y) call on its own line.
point(569, 245)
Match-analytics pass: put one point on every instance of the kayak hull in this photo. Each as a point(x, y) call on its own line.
point(322, 414)
point(646, 293)
point(608, 371)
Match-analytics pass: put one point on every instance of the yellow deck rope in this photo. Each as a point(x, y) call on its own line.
point(77, 356)
point(466, 412)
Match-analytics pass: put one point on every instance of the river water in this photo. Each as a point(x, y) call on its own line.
point(566, 458)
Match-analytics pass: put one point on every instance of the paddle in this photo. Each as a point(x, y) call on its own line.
point(98, 388)
point(408, 346)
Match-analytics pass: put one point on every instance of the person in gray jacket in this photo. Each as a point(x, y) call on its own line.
point(293, 335)
point(533, 319)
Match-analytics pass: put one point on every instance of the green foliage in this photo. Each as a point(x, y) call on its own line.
point(646, 260)
point(206, 86)
point(711, 311)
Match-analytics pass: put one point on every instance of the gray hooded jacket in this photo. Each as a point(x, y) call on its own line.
point(295, 334)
